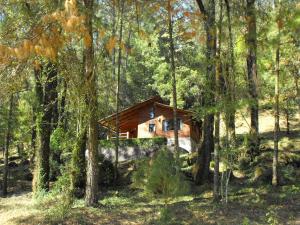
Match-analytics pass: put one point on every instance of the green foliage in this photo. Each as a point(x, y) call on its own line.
point(106, 172)
point(246, 221)
point(161, 176)
point(60, 144)
point(143, 143)
point(166, 217)
point(58, 202)
point(272, 216)
point(58, 140)
point(288, 173)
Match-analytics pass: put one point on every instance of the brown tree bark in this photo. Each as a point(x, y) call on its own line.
point(91, 190)
point(201, 173)
point(48, 96)
point(173, 75)
point(7, 142)
point(251, 41)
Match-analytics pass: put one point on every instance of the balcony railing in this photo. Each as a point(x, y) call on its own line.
point(124, 135)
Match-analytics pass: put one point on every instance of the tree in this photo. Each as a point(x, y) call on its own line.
point(173, 72)
point(251, 41)
point(118, 91)
point(90, 82)
point(276, 98)
point(202, 166)
point(218, 99)
point(7, 142)
point(46, 95)
point(231, 79)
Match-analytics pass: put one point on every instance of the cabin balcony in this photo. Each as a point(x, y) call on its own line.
point(122, 135)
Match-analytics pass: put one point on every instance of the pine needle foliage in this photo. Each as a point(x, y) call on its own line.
point(161, 176)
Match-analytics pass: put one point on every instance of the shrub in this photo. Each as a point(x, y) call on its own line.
point(288, 173)
point(106, 172)
point(161, 176)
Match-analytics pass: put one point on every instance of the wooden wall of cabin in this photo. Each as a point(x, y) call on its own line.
point(161, 114)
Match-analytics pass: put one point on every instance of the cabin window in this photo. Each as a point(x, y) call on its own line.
point(151, 113)
point(169, 124)
point(151, 127)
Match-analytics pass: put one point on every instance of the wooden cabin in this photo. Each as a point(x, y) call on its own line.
point(151, 118)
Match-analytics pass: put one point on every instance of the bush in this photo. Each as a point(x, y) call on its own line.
point(58, 202)
point(161, 176)
point(288, 173)
point(106, 172)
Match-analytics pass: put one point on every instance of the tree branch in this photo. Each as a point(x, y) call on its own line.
point(201, 6)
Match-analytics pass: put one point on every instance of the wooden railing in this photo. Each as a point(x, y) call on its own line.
point(124, 135)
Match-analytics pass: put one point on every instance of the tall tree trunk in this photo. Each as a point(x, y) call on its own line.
point(201, 174)
point(251, 41)
point(92, 105)
point(44, 124)
point(7, 141)
point(276, 106)
point(217, 148)
point(231, 79)
point(118, 93)
point(173, 75)
point(45, 103)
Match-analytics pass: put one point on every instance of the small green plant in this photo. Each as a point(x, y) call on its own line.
point(58, 202)
point(271, 216)
point(161, 176)
point(246, 221)
point(166, 216)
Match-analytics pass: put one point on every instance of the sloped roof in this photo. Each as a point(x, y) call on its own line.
point(109, 120)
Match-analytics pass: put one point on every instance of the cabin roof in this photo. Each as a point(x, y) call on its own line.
point(124, 114)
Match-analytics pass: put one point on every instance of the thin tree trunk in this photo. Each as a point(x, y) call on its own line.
point(7, 142)
point(173, 75)
point(118, 94)
point(276, 108)
point(287, 118)
point(231, 116)
point(91, 190)
point(62, 117)
point(217, 148)
point(252, 76)
point(201, 174)
point(276, 130)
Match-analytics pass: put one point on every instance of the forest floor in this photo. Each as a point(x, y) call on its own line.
point(248, 203)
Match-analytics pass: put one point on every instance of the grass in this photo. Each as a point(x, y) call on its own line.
point(258, 204)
